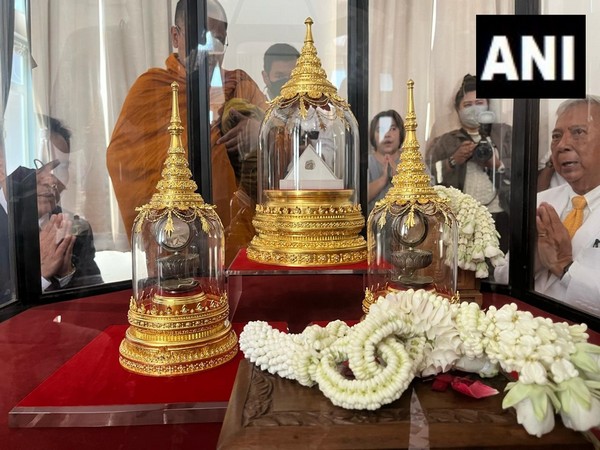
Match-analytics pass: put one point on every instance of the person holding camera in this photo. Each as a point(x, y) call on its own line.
point(476, 157)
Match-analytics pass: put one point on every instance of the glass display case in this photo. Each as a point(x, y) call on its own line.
point(412, 233)
point(179, 311)
point(307, 213)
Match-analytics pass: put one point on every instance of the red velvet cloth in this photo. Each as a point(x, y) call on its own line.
point(94, 377)
point(33, 345)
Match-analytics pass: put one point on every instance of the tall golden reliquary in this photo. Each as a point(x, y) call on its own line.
point(179, 312)
point(307, 212)
point(412, 233)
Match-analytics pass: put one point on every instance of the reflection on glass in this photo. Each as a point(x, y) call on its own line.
point(568, 215)
point(475, 157)
point(436, 55)
point(89, 67)
point(263, 45)
point(567, 252)
point(67, 249)
point(386, 135)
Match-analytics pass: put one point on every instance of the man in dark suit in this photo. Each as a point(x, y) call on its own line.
point(67, 249)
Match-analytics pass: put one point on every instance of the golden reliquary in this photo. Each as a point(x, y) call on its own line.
point(412, 233)
point(179, 312)
point(307, 212)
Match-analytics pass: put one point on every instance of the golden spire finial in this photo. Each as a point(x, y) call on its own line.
point(175, 129)
point(411, 183)
point(308, 82)
point(308, 22)
point(176, 189)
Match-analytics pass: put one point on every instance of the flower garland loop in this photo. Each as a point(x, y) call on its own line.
point(477, 235)
point(419, 333)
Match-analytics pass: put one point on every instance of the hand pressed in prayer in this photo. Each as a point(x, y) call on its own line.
point(56, 246)
point(554, 249)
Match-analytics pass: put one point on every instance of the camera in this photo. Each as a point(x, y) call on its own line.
point(483, 150)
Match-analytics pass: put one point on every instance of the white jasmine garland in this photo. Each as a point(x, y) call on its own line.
point(477, 234)
point(534, 406)
point(419, 333)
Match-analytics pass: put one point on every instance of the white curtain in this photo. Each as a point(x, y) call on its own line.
point(88, 54)
point(591, 9)
point(433, 43)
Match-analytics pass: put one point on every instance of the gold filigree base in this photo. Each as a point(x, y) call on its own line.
point(177, 360)
point(308, 228)
point(178, 335)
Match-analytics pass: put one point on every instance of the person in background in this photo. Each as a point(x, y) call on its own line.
point(139, 142)
point(547, 177)
point(567, 261)
point(278, 63)
point(67, 251)
point(475, 158)
point(386, 135)
point(54, 148)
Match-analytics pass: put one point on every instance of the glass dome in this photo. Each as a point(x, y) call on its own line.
point(308, 166)
point(179, 312)
point(412, 233)
point(309, 144)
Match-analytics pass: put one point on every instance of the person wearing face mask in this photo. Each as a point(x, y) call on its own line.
point(139, 142)
point(278, 63)
point(386, 135)
point(475, 158)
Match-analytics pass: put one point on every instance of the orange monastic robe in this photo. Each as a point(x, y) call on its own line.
point(140, 139)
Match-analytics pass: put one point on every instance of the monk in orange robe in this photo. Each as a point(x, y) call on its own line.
point(140, 140)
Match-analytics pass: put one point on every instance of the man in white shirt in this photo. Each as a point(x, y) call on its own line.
point(567, 265)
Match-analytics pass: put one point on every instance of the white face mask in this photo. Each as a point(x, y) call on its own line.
point(469, 116)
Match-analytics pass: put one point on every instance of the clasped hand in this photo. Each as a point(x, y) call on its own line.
point(56, 246)
point(389, 167)
point(554, 249)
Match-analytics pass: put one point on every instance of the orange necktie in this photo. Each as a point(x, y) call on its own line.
point(575, 218)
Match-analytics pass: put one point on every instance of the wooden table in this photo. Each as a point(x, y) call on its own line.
point(268, 412)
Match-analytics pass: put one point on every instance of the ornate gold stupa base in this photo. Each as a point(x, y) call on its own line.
point(178, 335)
point(308, 228)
